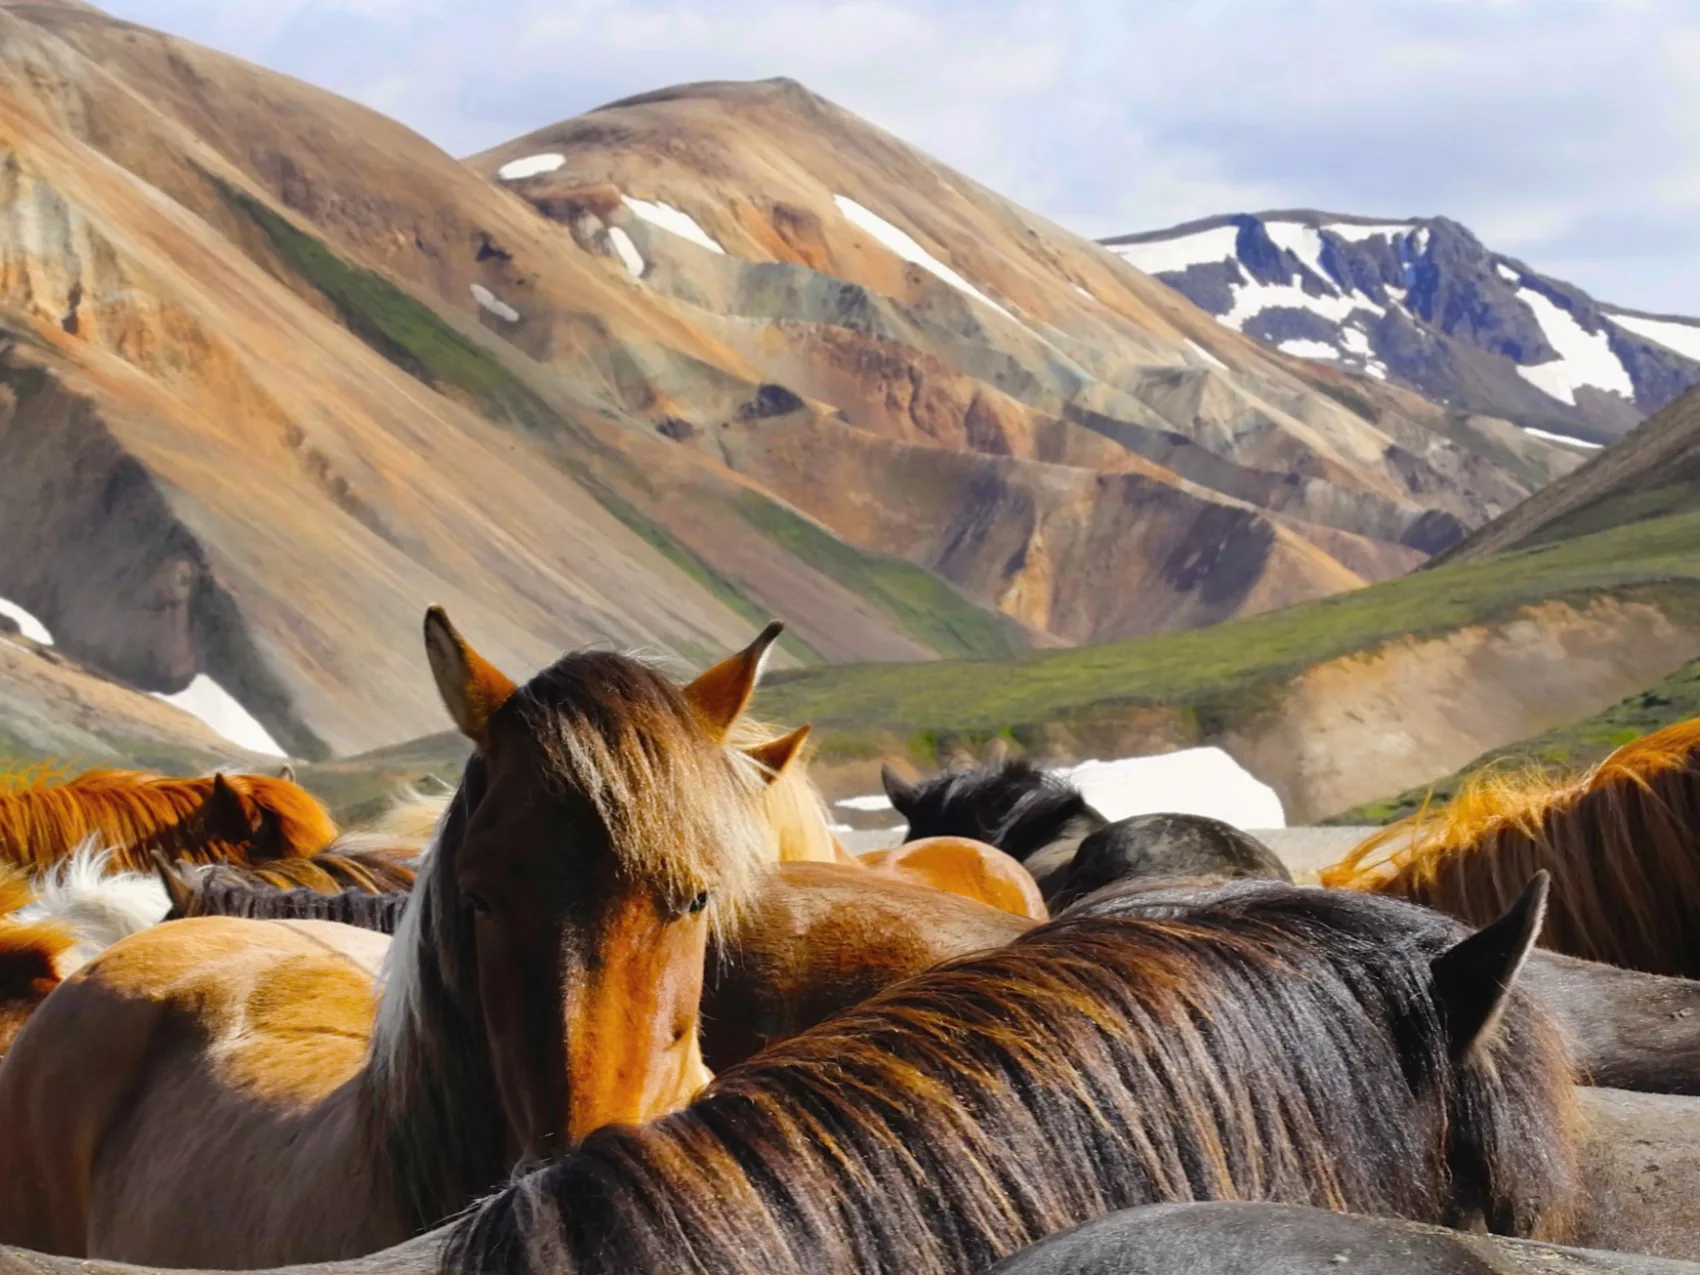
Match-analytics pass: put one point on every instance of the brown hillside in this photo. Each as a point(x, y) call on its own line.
point(278, 373)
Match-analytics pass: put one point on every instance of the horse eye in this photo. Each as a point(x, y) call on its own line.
point(698, 904)
point(478, 903)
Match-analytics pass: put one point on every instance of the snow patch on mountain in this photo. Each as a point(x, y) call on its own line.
point(1684, 338)
point(1252, 299)
point(218, 708)
point(627, 252)
point(1165, 256)
point(494, 304)
point(674, 220)
point(28, 625)
point(530, 166)
point(905, 247)
point(1303, 349)
point(1584, 357)
point(1561, 438)
point(1205, 354)
point(1353, 232)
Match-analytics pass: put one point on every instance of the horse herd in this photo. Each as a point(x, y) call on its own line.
point(621, 1003)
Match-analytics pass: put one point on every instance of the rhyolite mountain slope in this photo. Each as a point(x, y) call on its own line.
point(276, 373)
point(1422, 303)
point(990, 395)
point(1653, 473)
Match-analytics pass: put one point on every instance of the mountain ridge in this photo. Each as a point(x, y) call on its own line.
point(1422, 301)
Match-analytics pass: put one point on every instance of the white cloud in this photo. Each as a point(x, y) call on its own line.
point(1560, 130)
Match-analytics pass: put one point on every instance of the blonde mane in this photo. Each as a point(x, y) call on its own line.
point(794, 806)
point(1622, 842)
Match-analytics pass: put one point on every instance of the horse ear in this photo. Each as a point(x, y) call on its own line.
point(723, 692)
point(176, 888)
point(1473, 980)
point(228, 817)
point(472, 688)
point(776, 755)
point(286, 772)
point(899, 791)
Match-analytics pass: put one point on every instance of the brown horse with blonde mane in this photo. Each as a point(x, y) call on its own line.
point(1622, 843)
point(1255, 1041)
point(216, 818)
point(220, 1093)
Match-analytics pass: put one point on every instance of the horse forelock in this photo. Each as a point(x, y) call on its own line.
point(1261, 1049)
point(682, 810)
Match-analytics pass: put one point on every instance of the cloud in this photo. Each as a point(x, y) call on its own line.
point(1562, 131)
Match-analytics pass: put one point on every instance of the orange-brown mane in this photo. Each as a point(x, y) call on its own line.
point(216, 818)
point(1622, 843)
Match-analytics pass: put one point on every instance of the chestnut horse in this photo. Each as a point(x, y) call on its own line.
point(220, 1092)
point(217, 818)
point(30, 956)
point(1258, 1041)
point(1622, 843)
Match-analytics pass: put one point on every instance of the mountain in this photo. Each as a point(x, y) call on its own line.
point(276, 373)
point(1653, 473)
point(1424, 304)
point(1531, 631)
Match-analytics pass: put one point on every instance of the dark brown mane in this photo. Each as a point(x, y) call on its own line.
point(1622, 843)
point(259, 901)
point(1251, 1042)
point(289, 887)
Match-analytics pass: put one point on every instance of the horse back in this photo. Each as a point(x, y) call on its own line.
point(161, 1065)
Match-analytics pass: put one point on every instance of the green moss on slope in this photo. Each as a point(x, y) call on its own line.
point(924, 606)
point(1231, 672)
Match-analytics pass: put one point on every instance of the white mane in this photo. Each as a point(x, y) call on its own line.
point(97, 908)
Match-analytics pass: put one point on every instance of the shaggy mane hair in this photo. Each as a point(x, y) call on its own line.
point(44, 816)
point(1256, 1042)
point(1622, 843)
point(1014, 805)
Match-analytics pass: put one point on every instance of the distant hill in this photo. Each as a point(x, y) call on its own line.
point(1421, 302)
point(1651, 474)
point(277, 373)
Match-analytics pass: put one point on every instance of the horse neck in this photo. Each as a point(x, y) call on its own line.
point(430, 1097)
point(40, 825)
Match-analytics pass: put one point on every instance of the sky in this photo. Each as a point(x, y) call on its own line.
point(1563, 132)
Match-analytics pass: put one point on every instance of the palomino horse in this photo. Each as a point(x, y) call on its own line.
point(1622, 843)
point(217, 1091)
point(1070, 849)
point(962, 866)
point(218, 818)
point(1259, 1042)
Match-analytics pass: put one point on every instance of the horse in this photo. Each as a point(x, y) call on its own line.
point(220, 893)
point(226, 1093)
point(217, 818)
point(1278, 1043)
point(1068, 846)
point(1620, 842)
point(30, 956)
point(819, 938)
point(331, 871)
point(962, 866)
point(1283, 1239)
